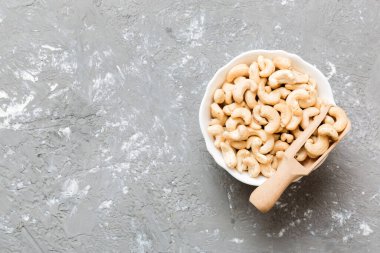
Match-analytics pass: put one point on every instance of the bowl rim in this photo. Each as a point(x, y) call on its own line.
point(204, 106)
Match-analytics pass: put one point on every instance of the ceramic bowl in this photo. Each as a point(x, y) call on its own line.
point(324, 91)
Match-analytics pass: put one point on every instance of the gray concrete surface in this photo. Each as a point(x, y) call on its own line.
point(100, 149)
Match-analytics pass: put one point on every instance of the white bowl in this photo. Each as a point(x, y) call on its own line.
point(324, 91)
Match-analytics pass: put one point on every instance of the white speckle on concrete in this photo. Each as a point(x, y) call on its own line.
point(194, 32)
point(53, 86)
point(6, 229)
point(70, 188)
point(346, 238)
point(15, 109)
point(286, 2)
point(3, 94)
point(25, 217)
point(167, 191)
point(52, 201)
point(66, 132)
point(143, 243)
point(51, 48)
point(341, 217)
point(237, 240)
point(106, 204)
point(332, 71)
point(365, 229)
point(85, 191)
point(20, 185)
point(26, 75)
point(374, 196)
point(281, 233)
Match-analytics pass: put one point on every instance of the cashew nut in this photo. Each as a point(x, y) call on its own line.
point(301, 155)
point(301, 77)
point(298, 86)
point(240, 88)
point(282, 62)
point(280, 77)
point(329, 120)
point(261, 62)
point(311, 85)
point(286, 113)
point(252, 84)
point(215, 130)
point(266, 66)
point(267, 89)
point(307, 114)
point(267, 170)
point(294, 122)
point(242, 113)
point(260, 133)
point(280, 154)
point(328, 130)
point(252, 165)
point(254, 72)
point(250, 99)
point(293, 98)
point(219, 96)
point(281, 130)
point(279, 146)
point(254, 124)
point(239, 79)
point(261, 158)
point(340, 116)
point(232, 123)
point(317, 147)
point(283, 92)
point(218, 113)
point(214, 122)
point(218, 140)
point(268, 144)
point(271, 98)
point(254, 143)
point(272, 117)
point(238, 144)
point(228, 109)
point(319, 103)
point(228, 88)
point(229, 154)
point(275, 162)
point(296, 132)
point(311, 101)
point(241, 154)
point(289, 138)
point(240, 134)
point(257, 116)
point(236, 71)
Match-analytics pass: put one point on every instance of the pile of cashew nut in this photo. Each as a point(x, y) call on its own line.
point(261, 109)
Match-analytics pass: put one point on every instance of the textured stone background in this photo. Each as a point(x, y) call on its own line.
point(100, 149)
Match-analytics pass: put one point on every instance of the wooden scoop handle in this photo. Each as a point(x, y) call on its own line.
point(265, 196)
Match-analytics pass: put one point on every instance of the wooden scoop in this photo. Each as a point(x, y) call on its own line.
point(265, 196)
